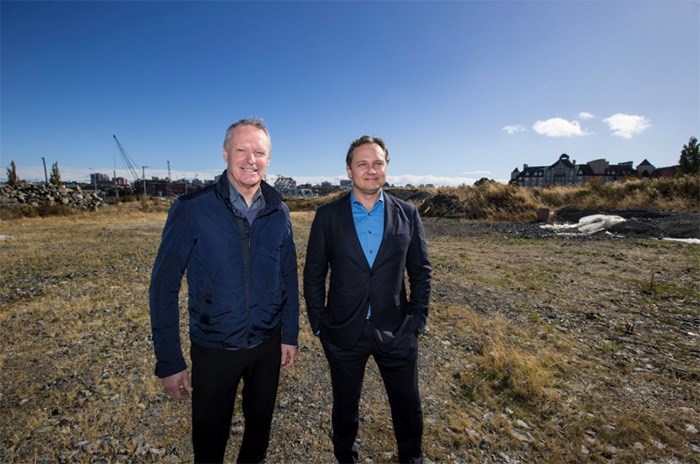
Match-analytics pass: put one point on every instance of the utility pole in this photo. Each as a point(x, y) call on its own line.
point(168, 181)
point(143, 171)
point(116, 185)
point(46, 175)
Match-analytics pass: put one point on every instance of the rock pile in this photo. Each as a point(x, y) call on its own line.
point(49, 195)
point(414, 196)
point(446, 206)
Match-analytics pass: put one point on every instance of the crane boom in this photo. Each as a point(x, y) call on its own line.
point(127, 159)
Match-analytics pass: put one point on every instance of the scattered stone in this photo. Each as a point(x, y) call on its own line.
point(48, 195)
point(520, 423)
point(155, 453)
point(522, 435)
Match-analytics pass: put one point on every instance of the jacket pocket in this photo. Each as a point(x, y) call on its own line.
point(206, 304)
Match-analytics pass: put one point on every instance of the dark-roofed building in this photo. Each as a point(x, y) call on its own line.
point(566, 172)
point(668, 172)
point(645, 169)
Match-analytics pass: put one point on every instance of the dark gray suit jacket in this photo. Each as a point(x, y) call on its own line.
point(341, 312)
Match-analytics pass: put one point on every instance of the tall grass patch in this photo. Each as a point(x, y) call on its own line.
point(495, 201)
point(681, 194)
point(503, 372)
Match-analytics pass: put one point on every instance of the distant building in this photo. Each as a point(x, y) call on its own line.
point(566, 172)
point(157, 187)
point(664, 173)
point(121, 182)
point(645, 169)
point(103, 182)
point(100, 179)
point(324, 188)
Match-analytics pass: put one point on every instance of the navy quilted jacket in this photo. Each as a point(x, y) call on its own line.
point(241, 279)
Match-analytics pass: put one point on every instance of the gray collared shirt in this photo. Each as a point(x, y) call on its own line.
point(239, 203)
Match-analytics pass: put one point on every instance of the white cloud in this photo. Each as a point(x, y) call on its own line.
point(513, 129)
point(558, 127)
point(585, 115)
point(416, 180)
point(627, 125)
point(478, 173)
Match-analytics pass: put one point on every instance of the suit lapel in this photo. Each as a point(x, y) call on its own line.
point(389, 217)
point(347, 225)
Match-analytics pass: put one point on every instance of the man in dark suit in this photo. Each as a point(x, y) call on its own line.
point(369, 240)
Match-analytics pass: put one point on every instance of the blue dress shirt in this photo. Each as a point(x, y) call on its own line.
point(369, 226)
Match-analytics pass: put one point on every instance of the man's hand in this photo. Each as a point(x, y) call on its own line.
point(289, 354)
point(177, 386)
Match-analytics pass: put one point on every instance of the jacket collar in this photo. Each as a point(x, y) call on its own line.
point(272, 196)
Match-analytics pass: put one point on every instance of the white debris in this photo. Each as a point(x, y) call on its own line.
point(694, 241)
point(588, 225)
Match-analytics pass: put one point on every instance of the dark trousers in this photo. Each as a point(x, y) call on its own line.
point(399, 371)
point(216, 374)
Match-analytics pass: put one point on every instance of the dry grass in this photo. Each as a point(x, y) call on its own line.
point(681, 194)
point(498, 202)
point(488, 200)
point(526, 352)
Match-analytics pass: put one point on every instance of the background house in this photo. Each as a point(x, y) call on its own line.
point(566, 172)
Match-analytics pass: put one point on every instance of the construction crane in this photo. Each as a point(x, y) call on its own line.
point(129, 163)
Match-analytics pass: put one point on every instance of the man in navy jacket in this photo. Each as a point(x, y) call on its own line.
point(369, 241)
point(234, 239)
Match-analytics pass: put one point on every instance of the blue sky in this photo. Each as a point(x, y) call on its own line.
point(458, 90)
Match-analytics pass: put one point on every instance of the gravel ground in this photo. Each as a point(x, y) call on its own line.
point(621, 312)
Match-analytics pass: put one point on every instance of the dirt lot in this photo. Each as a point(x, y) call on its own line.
point(540, 348)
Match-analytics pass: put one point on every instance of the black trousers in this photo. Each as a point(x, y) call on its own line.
point(399, 371)
point(216, 374)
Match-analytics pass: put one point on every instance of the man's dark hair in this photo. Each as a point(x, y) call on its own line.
point(255, 122)
point(365, 139)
